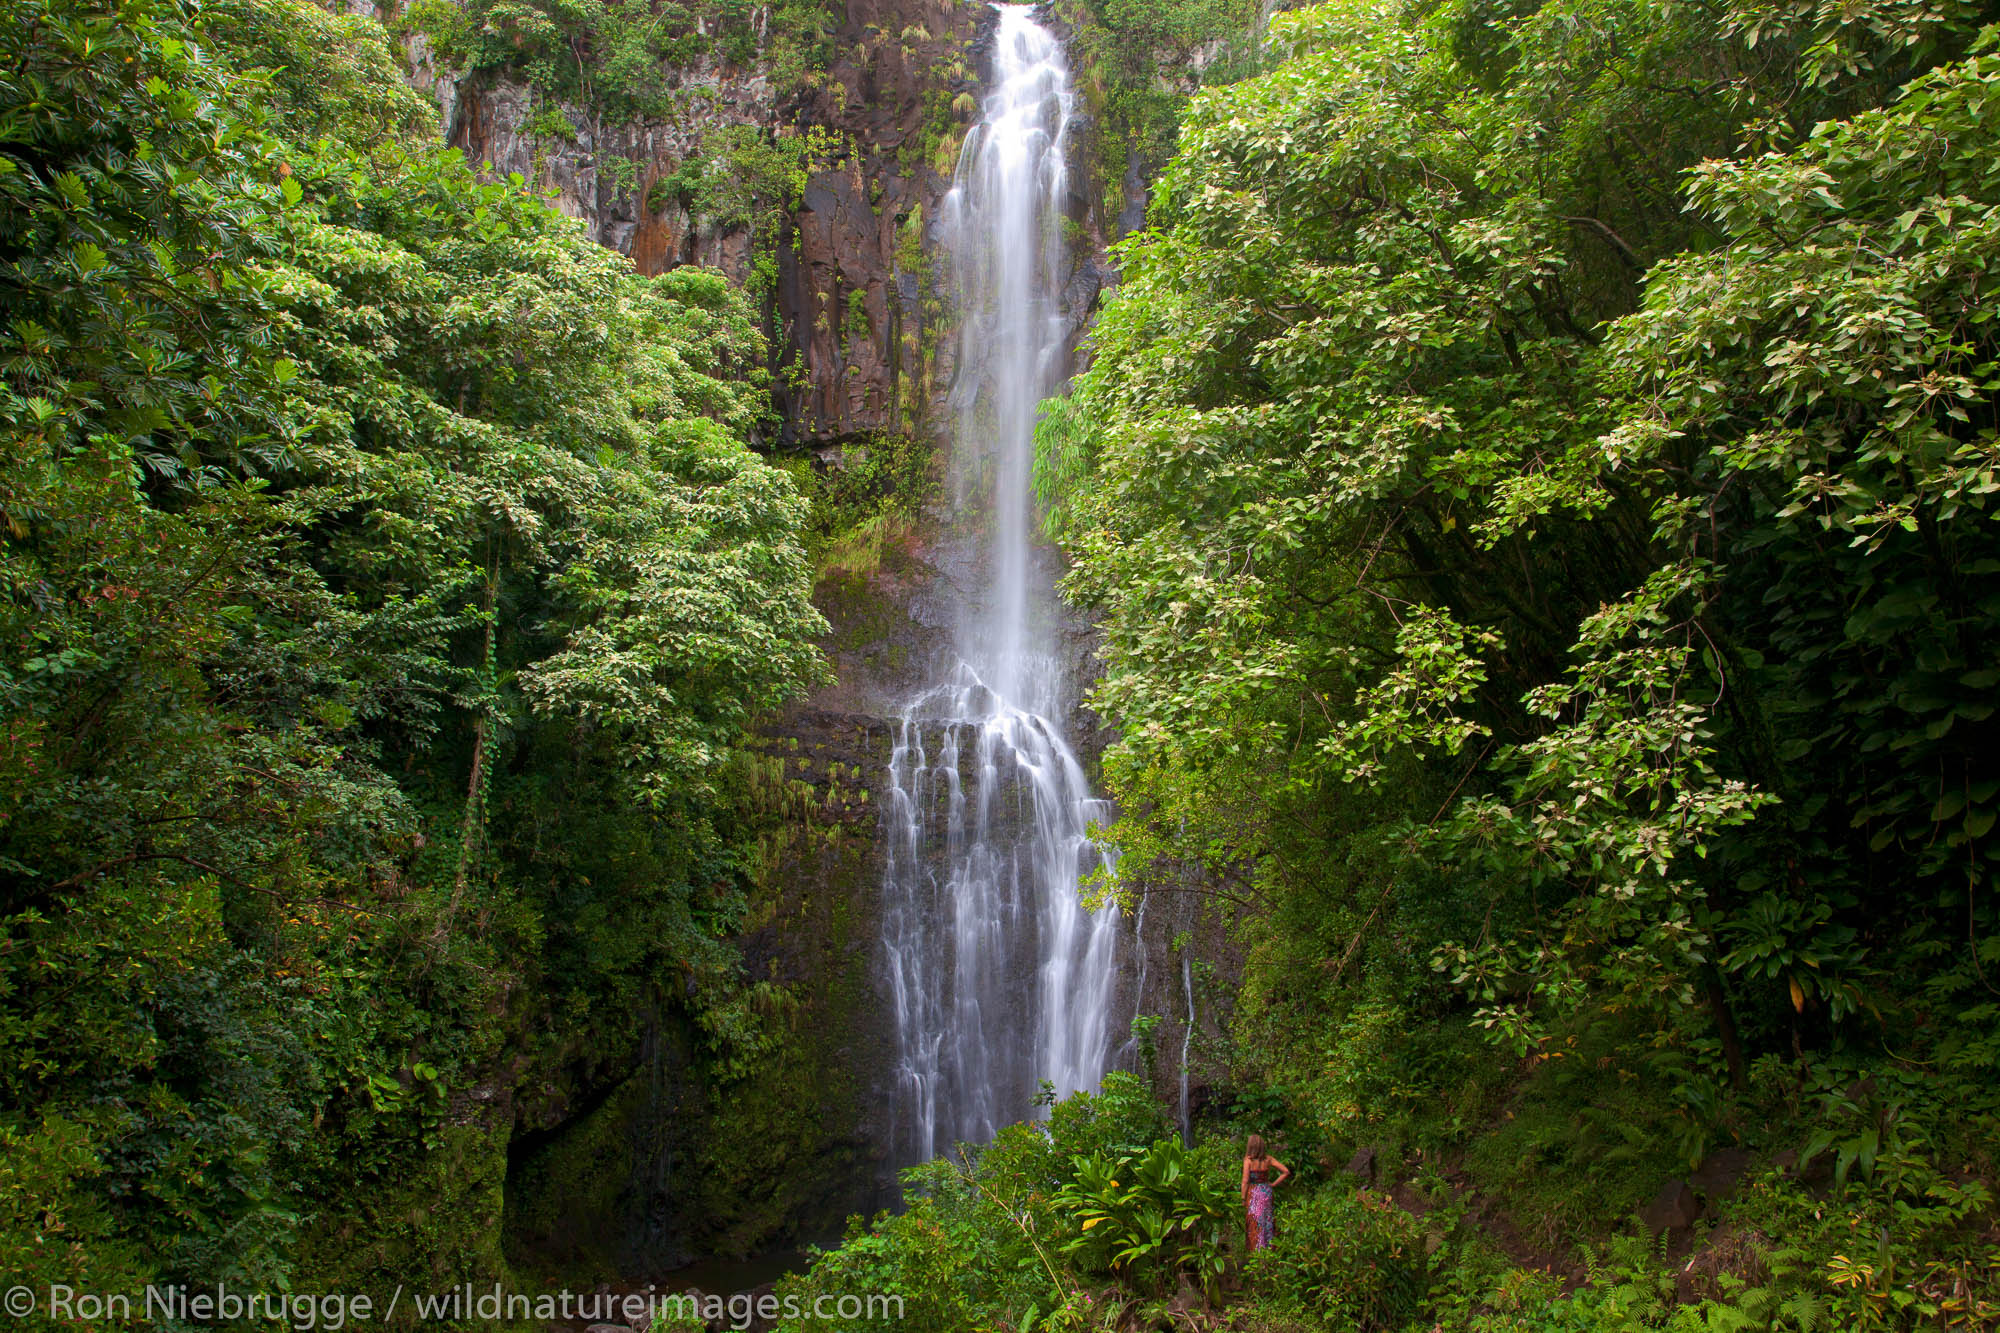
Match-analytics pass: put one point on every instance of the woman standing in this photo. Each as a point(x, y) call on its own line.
point(1262, 1173)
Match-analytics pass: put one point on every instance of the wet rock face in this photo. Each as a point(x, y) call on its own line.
point(487, 116)
point(842, 296)
point(853, 307)
point(641, 1163)
point(1674, 1208)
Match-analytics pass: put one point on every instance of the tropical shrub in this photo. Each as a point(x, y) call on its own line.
point(1347, 1259)
point(1148, 1214)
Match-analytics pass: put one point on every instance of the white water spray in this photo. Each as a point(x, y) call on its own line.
point(999, 977)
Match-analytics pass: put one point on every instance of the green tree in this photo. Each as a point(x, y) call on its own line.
point(1533, 478)
point(339, 485)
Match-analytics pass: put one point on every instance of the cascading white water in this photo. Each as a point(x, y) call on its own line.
point(1187, 1041)
point(999, 977)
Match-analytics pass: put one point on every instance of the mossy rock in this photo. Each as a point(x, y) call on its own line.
point(568, 1204)
point(429, 1222)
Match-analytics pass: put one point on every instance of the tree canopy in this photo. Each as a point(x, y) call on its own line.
point(385, 587)
point(1537, 480)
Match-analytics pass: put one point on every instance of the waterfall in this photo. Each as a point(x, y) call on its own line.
point(1130, 1050)
point(998, 976)
point(1187, 1040)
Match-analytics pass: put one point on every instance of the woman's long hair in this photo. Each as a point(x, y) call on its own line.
point(1254, 1149)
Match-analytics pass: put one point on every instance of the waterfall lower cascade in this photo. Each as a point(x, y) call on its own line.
point(999, 977)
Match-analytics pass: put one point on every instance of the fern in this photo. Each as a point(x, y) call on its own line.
point(1806, 1311)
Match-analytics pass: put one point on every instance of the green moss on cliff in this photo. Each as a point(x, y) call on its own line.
point(801, 1104)
point(750, 1136)
point(1138, 61)
point(866, 494)
point(569, 1205)
point(430, 1222)
point(625, 58)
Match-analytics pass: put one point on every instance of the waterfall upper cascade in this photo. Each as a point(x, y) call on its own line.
point(998, 976)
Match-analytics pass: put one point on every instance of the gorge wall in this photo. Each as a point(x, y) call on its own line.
point(844, 266)
point(818, 192)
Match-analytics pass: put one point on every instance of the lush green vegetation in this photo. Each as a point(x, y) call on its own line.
point(641, 60)
point(1139, 59)
point(628, 58)
point(385, 586)
point(1537, 482)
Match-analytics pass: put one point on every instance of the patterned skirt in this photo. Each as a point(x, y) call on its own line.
point(1260, 1216)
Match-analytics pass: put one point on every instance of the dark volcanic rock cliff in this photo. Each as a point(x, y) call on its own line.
point(855, 313)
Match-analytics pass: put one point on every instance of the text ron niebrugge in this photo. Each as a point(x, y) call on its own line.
point(335, 1310)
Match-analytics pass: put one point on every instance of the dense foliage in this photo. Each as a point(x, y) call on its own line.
point(593, 65)
point(1012, 1231)
point(627, 58)
point(384, 588)
point(1137, 60)
point(1538, 481)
